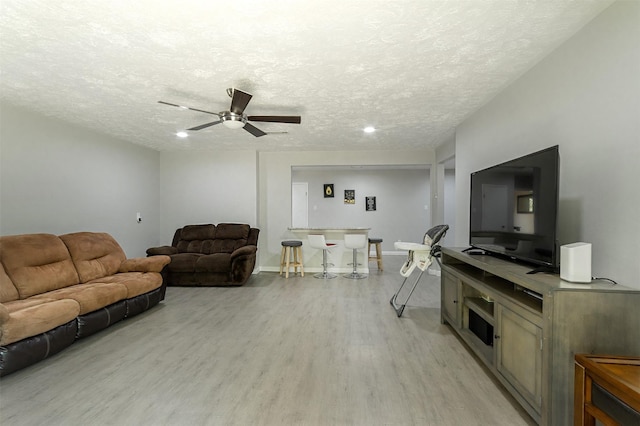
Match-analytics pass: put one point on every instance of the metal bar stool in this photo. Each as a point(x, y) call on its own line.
point(318, 242)
point(355, 242)
point(378, 256)
point(285, 257)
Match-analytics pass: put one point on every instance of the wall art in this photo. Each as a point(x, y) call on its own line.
point(349, 196)
point(328, 190)
point(370, 204)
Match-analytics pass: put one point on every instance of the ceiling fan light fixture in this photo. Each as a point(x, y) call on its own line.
point(232, 121)
point(369, 129)
point(235, 118)
point(182, 134)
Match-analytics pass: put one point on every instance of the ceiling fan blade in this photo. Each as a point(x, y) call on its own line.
point(204, 126)
point(294, 119)
point(186, 107)
point(253, 130)
point(239, 101)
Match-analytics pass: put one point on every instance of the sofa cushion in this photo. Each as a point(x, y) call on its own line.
point(31, 317)
point(37, 263)
point(216, 262)
point(94, 254)
point(191, 246)
point(8, 291)
point(91, 297)
point(192, 238)
point(136, 283)
point(183, 262)
point(17, 305)
point(229, 237)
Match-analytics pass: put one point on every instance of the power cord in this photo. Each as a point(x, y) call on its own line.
point(604, 279)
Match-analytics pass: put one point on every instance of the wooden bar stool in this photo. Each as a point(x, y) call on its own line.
point(378, 256)
point(285, 257)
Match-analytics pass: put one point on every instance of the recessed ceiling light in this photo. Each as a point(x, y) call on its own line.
point(369, 129)
point(182, 134)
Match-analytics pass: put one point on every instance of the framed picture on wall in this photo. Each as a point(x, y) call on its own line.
point(370, 204)
point(349, 196)
point(328, 190)
point(525, 203)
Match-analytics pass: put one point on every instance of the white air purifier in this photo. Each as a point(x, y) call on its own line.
point(575, 262)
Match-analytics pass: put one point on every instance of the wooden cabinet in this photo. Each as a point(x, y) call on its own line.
point(607, 388)
point(449, 298)
point(518, 344)
point(526, 328)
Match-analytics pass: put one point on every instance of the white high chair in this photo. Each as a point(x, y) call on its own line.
point(420, 256)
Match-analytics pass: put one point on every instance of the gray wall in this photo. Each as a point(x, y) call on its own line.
point(584, 97)
point(206, 187)
point(403, 197)
point(57, 178)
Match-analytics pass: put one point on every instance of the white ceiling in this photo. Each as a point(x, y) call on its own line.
point(414, 69)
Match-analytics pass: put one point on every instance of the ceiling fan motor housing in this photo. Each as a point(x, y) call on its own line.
point(232, 120)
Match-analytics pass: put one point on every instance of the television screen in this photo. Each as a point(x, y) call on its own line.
point(514, 207)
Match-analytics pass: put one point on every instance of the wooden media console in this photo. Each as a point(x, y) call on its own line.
point(527, 328)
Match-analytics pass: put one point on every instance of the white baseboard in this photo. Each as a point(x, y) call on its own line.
point(314, 270)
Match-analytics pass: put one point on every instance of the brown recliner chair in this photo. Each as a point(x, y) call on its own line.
point(210, 255)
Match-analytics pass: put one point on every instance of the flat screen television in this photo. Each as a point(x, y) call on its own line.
point(514, 209)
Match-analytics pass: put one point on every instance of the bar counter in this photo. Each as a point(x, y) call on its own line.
point(338, 255)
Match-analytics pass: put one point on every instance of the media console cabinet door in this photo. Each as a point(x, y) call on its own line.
point(519, 354)
point(450, 298)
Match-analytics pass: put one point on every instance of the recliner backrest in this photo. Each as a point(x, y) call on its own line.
point(8, 291)
point(196, 238)
point(229, 237)
point(209, 239)
point(35, 264)
point(94, 254)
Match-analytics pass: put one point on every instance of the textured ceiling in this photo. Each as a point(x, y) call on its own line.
point(414, 69)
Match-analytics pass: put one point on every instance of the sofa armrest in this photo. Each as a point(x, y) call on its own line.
point(144, 264)
point(162, 250)
point(244, 251)
point(4, 314)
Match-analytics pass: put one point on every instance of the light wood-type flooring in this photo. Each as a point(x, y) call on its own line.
point(300, 351)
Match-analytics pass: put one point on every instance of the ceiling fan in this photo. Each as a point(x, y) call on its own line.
point(236, 118)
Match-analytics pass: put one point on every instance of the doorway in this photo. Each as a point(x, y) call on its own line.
point(447, 198)
point(300, 205)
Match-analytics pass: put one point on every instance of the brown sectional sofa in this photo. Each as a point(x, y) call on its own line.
point(56, 289)
point(210, 255)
